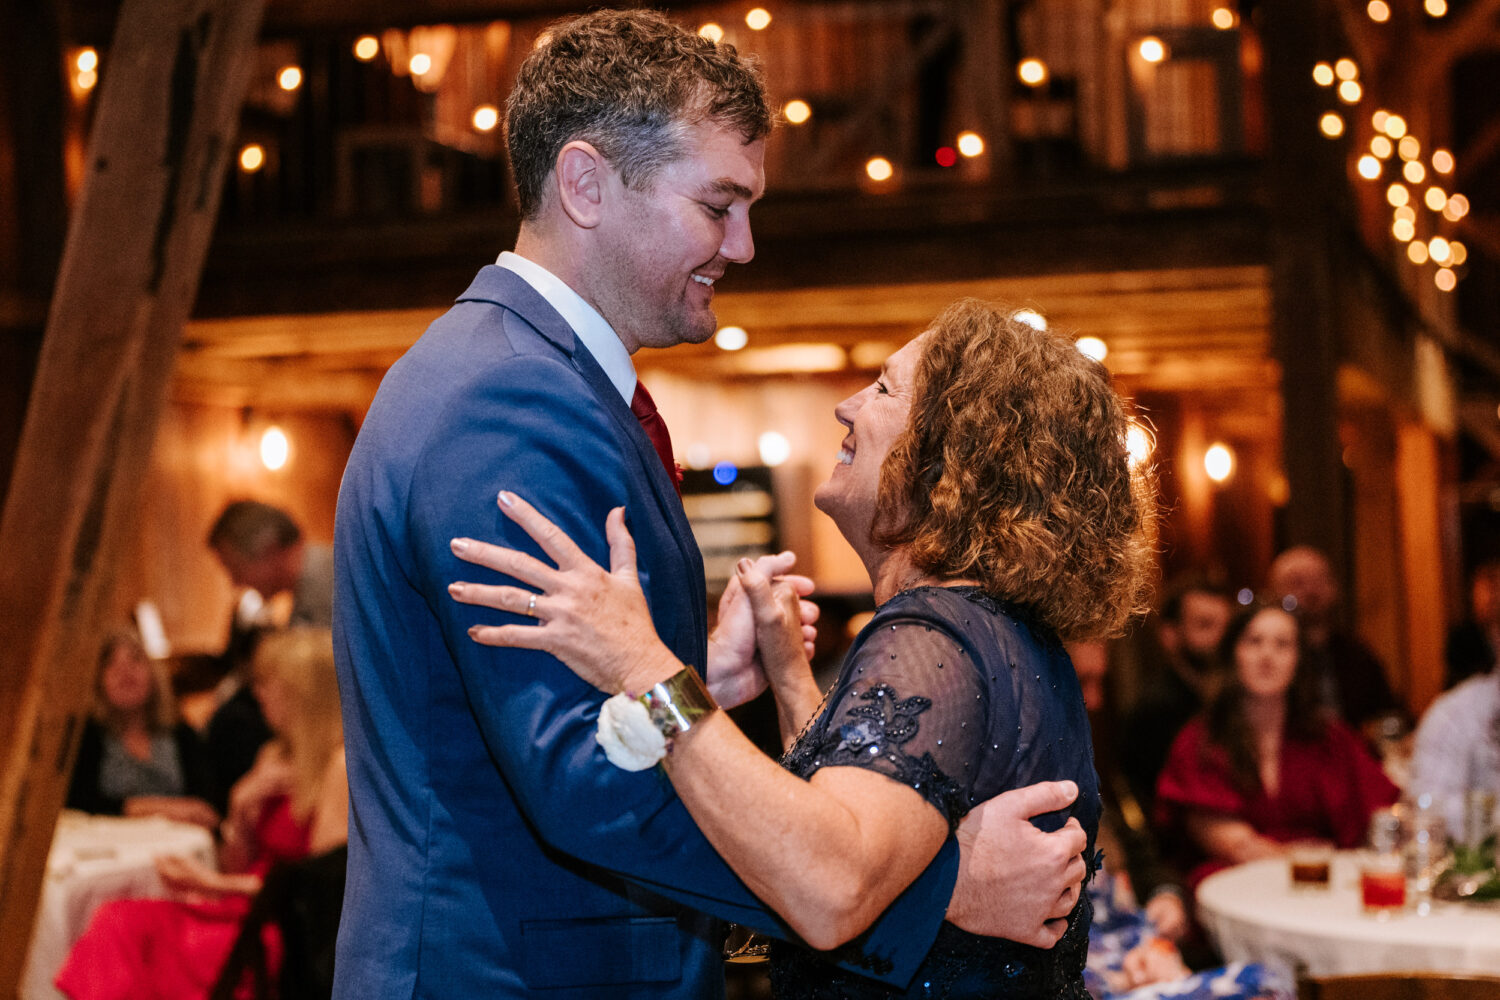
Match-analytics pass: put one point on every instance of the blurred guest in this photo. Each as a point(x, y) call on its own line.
point(261, 548)
point(1126, 839)
point(1473, 645)
point(1350, 679)
point(136, 758)
point(1266, 765)
point(293, 802)
point(1176, 681)
point(1458, 747)
point(1129, 958)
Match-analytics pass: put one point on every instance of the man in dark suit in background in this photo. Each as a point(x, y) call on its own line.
point(493, 851)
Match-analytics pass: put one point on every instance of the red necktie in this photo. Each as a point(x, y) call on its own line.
point(644, 408)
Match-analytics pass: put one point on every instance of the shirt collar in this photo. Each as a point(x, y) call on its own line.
point(591, 328)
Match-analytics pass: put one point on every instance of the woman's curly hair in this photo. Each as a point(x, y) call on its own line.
point(1013, 471)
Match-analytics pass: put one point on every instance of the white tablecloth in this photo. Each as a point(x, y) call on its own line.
point(95, 859)
point(1252, 914)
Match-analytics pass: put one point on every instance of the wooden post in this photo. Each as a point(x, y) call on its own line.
point(164, 127)
point(1305, 201)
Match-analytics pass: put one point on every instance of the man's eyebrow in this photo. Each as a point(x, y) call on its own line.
point(724, 185)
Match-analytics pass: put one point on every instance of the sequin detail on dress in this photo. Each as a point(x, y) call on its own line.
point(873, 737)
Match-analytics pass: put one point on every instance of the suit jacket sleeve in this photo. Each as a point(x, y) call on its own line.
point(532, 426)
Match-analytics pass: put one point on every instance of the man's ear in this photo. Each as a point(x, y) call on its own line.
point(581, 177)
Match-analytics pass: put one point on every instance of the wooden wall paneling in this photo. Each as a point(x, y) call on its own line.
point(165, 122)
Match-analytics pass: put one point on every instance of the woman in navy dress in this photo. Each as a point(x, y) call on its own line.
point(985, 484)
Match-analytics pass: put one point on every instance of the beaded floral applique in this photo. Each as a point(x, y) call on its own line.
point(874, 736)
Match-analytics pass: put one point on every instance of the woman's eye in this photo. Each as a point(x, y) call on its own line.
point(880, 388)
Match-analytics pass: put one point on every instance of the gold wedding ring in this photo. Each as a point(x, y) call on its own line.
point(531, 606)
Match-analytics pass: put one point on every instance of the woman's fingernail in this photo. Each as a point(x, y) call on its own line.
point(507, 498)
point(743, 565)
point(459, 545)
point(473, 631)
point(455, 589)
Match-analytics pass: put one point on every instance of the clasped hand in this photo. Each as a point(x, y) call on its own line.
point(596, 621)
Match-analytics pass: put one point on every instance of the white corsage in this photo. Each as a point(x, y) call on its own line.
point(630, 739)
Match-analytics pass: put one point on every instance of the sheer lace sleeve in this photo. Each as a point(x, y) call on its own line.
point(909, 704)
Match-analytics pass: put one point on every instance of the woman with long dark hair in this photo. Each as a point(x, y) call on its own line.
point(1265, 766)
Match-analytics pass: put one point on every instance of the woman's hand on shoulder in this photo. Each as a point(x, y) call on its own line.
point(594, 620)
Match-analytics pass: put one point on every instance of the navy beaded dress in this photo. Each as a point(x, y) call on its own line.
point(961, 696)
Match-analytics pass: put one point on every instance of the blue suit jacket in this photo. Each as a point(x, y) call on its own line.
point(493, 851)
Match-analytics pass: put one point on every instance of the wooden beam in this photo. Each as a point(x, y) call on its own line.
point(164, 128)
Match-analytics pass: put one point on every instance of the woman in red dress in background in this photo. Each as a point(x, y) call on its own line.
point(1264, 765)
point(293, 802)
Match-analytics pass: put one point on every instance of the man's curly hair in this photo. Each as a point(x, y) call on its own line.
point(1013, 471)
point(630, 83)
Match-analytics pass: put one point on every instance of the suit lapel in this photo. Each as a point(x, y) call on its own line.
point(509, 290)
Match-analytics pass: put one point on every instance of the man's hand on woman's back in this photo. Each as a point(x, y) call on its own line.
point(1014, 881)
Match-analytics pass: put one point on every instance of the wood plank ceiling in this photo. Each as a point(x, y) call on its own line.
point(1178, 330)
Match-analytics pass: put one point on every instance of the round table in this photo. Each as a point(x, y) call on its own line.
point(1253, 915)
point(94, 859)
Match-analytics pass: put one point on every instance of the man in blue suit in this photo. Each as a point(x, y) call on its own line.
point(493, 852)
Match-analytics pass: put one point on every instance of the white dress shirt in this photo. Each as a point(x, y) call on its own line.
point(1458, 747)
point(591, 328)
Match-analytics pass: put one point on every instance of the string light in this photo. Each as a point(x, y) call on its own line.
point(731, 338)
point(1379, 120)
point(1445, 279)
point(1223, 18)
point(1323, 74)
point(420, 64)
point(1393, 126)
point(1152, 49)
point(1442, 161)
point(1416, 252)
point(290, 78)
point(1346, 69)
point(1457, 208)
point(796, 111)
point(1138, 443)
point(1409, 147)
point(712, 32)
point(486, 117)
point(1397, 195)
point(252, 157)
point(1414, 172)
point(1032, 72)
point(1031, 318)
point(1436, 199)
point(1332, 125)
point(1092, 347)
point(1438, 249)
point(1350, 92)
point(1406, 213)
point(87, 60)
point(1458, 252)
point(758, 18)
point(1379, 11)
point(1437, 8)
point(86, 79)
point(1403, 230)
point(1381, 147)
point(1368, 167)
point(275, 449)
point(366, 48)
point(879, 169)
point(971, 144)
point(1218, 462)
